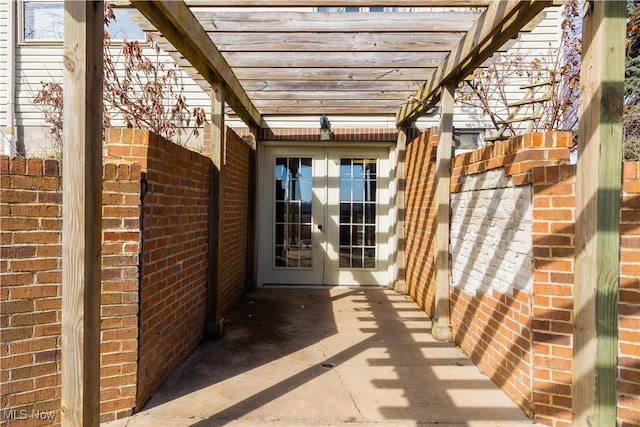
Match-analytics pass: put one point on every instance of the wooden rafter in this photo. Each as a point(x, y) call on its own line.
point(500, 22)
point(353, 59)
point(326, 22)
point(317, 61)
point(176, 22)
point(336, 42)
point(325, 3)
point(336, 74)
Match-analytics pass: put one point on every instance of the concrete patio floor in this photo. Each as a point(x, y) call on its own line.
point(327, 357)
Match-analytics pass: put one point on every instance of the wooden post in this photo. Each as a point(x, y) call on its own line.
point(81, 212)
point(598, 214)
point(401, 144)
point(215, 324)
point(251, 282)
point(441, 323)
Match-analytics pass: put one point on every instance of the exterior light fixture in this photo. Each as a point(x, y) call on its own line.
point(325, 128)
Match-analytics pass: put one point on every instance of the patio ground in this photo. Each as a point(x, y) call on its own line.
point(327, 357)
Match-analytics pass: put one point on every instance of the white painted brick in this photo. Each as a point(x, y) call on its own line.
point(491, 246)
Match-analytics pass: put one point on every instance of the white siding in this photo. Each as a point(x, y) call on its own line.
point(36, 63)
point(4, 52)
point(538, 43)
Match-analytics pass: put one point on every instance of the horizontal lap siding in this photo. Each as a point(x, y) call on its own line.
point(4, 52)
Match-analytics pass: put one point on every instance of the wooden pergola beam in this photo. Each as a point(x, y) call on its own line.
point(328, 22)
point(81, 212)
point(181, 28)
point(598, 191)
point(418, 41)
point(501, 21)
point(327, 3)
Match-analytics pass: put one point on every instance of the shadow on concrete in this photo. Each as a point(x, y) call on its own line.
point(326, 357)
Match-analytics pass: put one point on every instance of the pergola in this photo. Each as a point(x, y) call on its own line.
point(258, 61)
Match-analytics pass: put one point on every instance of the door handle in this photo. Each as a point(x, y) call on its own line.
point(320, 227)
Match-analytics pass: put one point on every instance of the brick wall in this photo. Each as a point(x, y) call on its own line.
point(493, 258)
point(629, 305)
point(313, 134)
point(121, 245)
point(175, 242)
point(235, 200)
point(154, 269)
point(553, 240)
point(30, 296)
point(174, 255)
point(554, 248)
point(30, 304)
point(420, 210)
point(491, 266)
point(516, 322)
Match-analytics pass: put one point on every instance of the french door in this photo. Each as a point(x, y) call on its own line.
point(325, 216)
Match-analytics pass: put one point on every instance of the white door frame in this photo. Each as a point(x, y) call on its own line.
point(385, 271)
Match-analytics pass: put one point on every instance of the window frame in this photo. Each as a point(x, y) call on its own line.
point(22, 16)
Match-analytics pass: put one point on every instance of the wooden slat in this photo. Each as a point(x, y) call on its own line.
point(500, 22)
point(317, 22)
point(529, 101)
point(299, 95)
point(176, 22)
point(330, 85)
point(335, 42)
point(321, 3)
point(81, 212)
point(338, 3)
point(598, 182)
point(277, 109)
point(335, 74)
point(346, 59)
point(442, 323)
point(521, 119)
point(330, 103)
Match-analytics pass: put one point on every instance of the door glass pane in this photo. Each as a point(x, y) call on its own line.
point(358, 189)
point(293, 204)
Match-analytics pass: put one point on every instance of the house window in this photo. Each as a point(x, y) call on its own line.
point(358, 184)
point(468, 139)
point(123, 27)
point(44, 22)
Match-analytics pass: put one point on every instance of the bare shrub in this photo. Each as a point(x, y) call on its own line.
point(143, 91)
